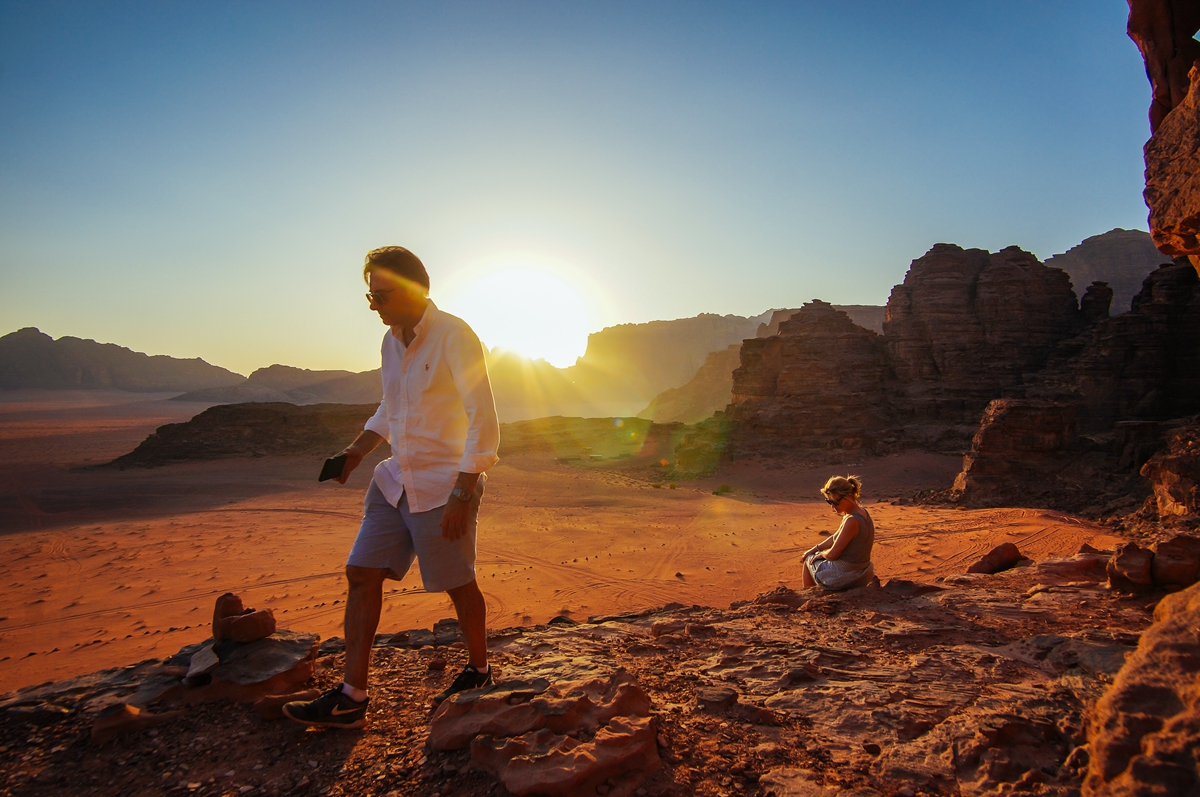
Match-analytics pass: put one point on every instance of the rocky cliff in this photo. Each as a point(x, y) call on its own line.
point(964, 327)
point(711, 388)
point(1163, 30)
point(820, 383)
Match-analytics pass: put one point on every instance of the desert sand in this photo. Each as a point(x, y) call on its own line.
point(102, 567)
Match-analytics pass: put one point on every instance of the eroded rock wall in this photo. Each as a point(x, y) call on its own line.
point(1143, 365)
point(965, 325)
point(820, 383)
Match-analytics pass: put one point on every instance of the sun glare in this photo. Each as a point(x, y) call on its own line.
point(531, 307)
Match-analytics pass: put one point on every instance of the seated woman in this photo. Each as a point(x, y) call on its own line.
point(842, 560)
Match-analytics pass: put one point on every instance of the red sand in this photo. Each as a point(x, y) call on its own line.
point(103, 568)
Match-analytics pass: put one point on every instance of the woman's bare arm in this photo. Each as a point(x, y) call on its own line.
point(843, 537)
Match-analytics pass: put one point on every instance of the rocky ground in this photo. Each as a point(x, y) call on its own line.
point(979, 684)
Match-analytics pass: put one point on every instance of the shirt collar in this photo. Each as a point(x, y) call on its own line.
point(427, 318)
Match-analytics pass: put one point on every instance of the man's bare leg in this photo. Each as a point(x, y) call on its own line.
point(806, 578)
point(364, 601)
point(472, 619)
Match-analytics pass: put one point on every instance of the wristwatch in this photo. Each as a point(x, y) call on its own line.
point(461, 494)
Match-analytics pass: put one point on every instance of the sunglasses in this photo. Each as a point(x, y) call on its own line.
point(834, 501)
point(379, 297)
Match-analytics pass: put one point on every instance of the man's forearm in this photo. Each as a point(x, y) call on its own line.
point(366, 442)
point(466, 481)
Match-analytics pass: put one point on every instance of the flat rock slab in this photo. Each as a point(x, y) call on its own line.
point(134, 684)
point(250, 671)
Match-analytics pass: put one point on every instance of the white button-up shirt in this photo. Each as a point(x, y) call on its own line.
point(437, 412)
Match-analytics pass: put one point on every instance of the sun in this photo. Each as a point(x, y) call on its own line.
point(524, 304)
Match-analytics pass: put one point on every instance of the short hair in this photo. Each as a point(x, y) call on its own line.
point(399, 261)
point(843, 486)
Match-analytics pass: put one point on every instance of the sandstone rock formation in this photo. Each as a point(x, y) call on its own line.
point(711, 389)
point(1129, 569)
point(1120, 258)
point(980, 685)
point(867, 316)
point(250, 430)
point(1163, 31)
point(999, 559)
point(1176, 562)
point(963, 328)
point(232, 620)
point(1018, 449)
point(1144, 734)
point(819, 383)
point(965, 325)
point(1105, 402)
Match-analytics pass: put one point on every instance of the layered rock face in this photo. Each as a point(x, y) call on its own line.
point(965, 325)
point(963, 328)
point(820, 383)
point(1103, 405)
point(1164, 31)
point(1144, 364)
point(1017, 447)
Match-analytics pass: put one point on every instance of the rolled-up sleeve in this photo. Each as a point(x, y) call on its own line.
point(378, 423)
point(469, 368)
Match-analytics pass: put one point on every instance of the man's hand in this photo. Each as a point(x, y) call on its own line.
point(364, 444)
point(457, 512)
point(454, 519)
point(354, 458)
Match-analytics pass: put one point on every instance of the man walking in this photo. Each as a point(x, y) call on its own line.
point(440, 419)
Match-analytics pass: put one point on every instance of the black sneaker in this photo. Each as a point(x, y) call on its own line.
point(469, 678)
point(334, 708)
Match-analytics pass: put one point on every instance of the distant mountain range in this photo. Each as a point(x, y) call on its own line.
point(666, 371)
point(31, 359)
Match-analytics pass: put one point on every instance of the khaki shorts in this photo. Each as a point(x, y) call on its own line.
point(390, 537)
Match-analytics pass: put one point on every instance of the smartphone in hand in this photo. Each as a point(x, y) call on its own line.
point(333, 468)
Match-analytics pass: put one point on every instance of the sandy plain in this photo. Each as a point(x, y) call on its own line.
point(101, 568)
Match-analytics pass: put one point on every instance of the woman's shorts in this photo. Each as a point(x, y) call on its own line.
point(836, 574)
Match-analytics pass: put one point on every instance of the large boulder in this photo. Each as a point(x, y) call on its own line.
point(1144, 733)
point(1129, 569)
point(1176, 562)
point(1016, 453)
point(1003, 557)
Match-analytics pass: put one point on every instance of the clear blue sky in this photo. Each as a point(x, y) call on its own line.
point(203, 179)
